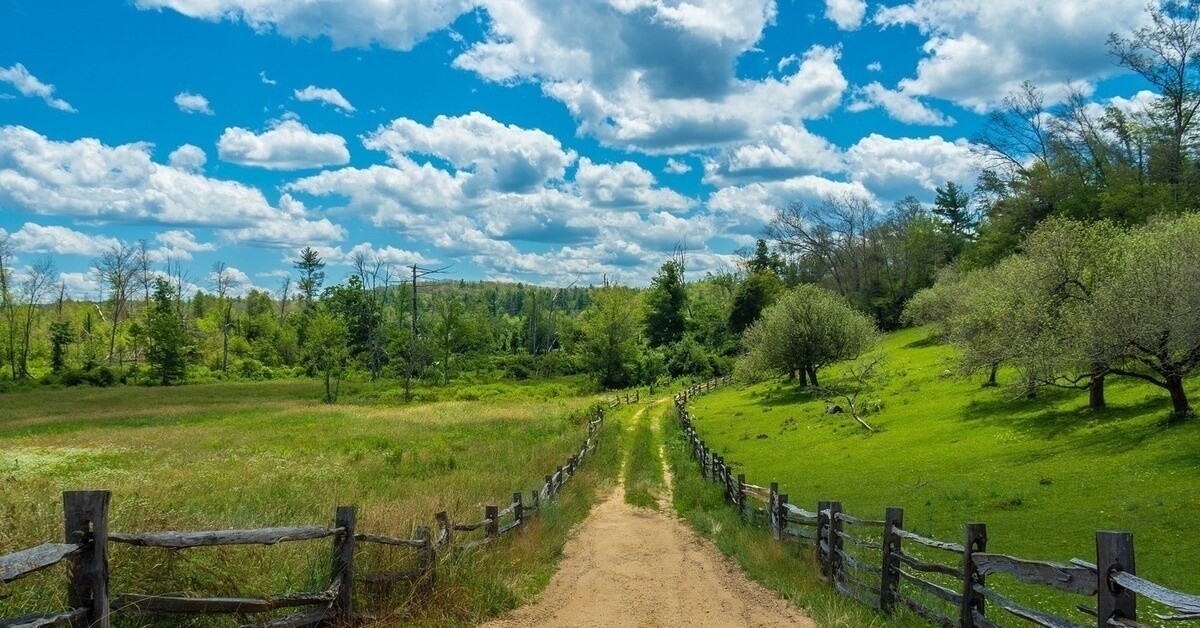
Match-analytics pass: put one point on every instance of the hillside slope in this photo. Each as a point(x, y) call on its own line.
point(1044, 474)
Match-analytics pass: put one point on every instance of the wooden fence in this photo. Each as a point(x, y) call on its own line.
point(85, 549)
point(880, 563)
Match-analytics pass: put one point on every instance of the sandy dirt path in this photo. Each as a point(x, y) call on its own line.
point(626, 566)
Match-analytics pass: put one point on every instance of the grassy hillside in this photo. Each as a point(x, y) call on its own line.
point(255, 455)
point(1044, 474)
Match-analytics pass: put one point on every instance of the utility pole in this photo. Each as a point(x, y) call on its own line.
point(417, 272)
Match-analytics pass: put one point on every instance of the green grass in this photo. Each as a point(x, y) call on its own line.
point(643, 467)
point(785, 568)
point(235, 455)
point(1044, 474)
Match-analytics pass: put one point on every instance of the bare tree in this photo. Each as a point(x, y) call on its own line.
point(1018, 133)
point(35, 285)
point(8, 306)
point(221, 280)
point(835, 237)
point(283, 297)
point(116, 269)
point(376, 277)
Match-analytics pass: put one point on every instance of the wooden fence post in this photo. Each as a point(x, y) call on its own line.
point(1114, 552)
point(773, 511)
point(781, 514)
point(343, 566)
point(835, 543)
point(730, 496)
point(492, 514)
point(426, 558)
point(535, 499)
point(549, 485)
point(443, 520)
point(889, 580)
point(822, 549)
point(518, 509)
point(972, 600)
point(85, 522)
point(741, 493)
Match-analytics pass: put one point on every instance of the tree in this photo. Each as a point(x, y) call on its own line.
point(326, 351)
point(1166, 53)
point(116, 268)
point(952, 204)
point(611, 341)
point(36, 284)
point(754, 294)
point(312, 274)
point(807, 329)
point(666, 303)
point(221, 279)
point(166, 336)
point(61, 337)
point(8, 303)
point(449, 331)
point(1147, 314)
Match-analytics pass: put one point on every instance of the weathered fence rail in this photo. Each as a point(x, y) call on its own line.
point(88, 539)
point(880, 563)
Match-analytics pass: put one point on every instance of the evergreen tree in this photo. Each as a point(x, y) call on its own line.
point(312, 274)
point(166, 336)
point(665, 306)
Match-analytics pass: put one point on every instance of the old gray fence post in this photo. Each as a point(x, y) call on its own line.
point(85, 522)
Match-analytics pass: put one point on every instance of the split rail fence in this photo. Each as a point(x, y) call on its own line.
point(85, 550)
point(884, 565)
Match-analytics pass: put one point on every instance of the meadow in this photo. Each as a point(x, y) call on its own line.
point(1044, 474)
point(245, 455)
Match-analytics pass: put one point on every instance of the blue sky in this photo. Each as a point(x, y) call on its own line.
point(527, 140)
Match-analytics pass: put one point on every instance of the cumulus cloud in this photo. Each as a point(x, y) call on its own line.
point(847, 14)
point(396, 24)
point(87, 180)
point(29, 85)
point(286, 145)
point(897, 167)
point(503, 158)
point(874, 66)
point(81, 285)
point(266, 80)
point(977, 52)
point(188, 158)
point(780, 152)
point(624, 185)
point(192, 103)
point(388, 255)
point(899, 106)
point(178, 245)
point(675, 166)
point(652, 75)
point(35, 238)
point(749, 207)
point(329, 96)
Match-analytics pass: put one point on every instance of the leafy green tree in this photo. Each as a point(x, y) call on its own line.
point(1147, 315)
point(611, 342)
point(312, 274)
point(754, 294)
point(807, 329)
point(167, 339)
point(61, 337)
point(666, 303)
point(326, 351)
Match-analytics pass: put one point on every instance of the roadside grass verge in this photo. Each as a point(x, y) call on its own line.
point(233, 455)
point(643, 467)
point(785, 568)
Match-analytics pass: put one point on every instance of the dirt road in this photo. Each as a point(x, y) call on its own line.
point(626, 566)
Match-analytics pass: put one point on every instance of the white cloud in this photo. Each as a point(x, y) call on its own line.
point(329, 96)
point(193, 103)
point(1139, 103)
point(747, 208)
point(847, 14)
point(178, 245)
point(977, 52)
point(35, 238)
point(81, 285)
point(287, 145)
point(388, 254)
point(781, 151)
point(896, 167)
point(28, 84)
point(396, 24)
point(874, 66)
point(266, 80)
point(899, 106)
point(503, 158)
point(649, 74)
point(625, 185)
point(675, 166)
point(188, 158)
point(87, 180)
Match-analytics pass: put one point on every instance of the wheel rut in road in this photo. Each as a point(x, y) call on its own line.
point(633, 567)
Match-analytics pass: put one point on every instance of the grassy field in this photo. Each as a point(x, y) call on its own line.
point(643, 467)
point(255, 455)
point(1044, 474)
